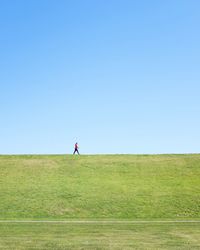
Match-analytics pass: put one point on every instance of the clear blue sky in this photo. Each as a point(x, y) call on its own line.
point(118, 76)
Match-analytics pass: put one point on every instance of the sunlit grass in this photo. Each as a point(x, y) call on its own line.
point(101, 187)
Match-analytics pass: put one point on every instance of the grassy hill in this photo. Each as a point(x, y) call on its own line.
point(112, 186)
point(108, 187)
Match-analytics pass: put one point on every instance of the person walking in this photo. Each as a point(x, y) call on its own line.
point(76, 148)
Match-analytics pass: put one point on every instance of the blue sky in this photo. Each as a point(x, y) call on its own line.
point(118, 76)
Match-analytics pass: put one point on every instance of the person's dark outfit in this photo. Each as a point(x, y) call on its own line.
point(76, 148)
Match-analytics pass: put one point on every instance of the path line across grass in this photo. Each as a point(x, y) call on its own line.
point(99, 221)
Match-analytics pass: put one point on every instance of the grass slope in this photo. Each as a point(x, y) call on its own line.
point(96, 187)
point(108, 187)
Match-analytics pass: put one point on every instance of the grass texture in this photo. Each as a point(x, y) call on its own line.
point(99, 187)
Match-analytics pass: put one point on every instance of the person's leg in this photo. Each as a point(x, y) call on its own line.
point(76, 150)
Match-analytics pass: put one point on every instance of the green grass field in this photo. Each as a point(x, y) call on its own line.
point(138, 188)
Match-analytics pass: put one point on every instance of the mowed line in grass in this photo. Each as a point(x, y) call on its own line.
point(100, 221)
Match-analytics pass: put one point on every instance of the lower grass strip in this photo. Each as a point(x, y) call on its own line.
point(62, 236)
